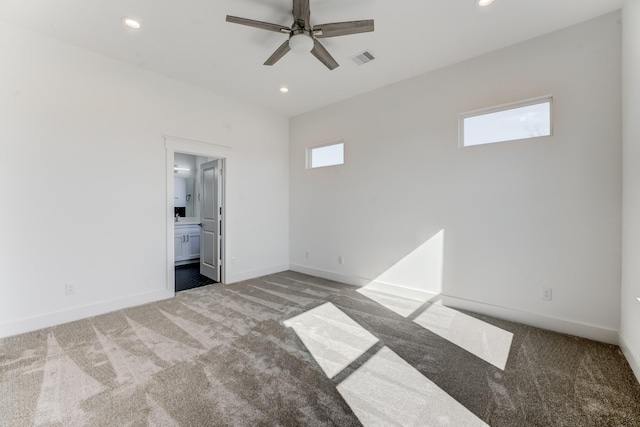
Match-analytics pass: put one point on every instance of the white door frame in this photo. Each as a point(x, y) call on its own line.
point(197, 148)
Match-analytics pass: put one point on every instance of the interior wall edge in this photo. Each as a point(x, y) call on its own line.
point(30, 324)
point(631, 355)
point(630, 287)
point(555, 324)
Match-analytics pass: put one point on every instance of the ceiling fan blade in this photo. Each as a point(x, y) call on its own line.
point(301, 13)
point(343, 28)
point(259, 24)
point(323, 55)
point(279, 53)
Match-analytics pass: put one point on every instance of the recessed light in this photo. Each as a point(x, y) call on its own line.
point(284, 89)
point(483, 3)
point(131, 23)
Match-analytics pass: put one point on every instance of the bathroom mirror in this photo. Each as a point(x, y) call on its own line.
point(184, 196)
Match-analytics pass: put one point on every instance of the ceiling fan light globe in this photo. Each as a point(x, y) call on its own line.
point(301, 43)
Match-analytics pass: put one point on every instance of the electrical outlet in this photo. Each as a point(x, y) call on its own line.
point(306, 254)
point(340, 260)
point(70, 288)
point(546, 294)
point(233, 260)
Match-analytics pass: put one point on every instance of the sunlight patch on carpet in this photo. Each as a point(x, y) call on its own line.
point(480, 338)
point(387, 390)
point(399, 305)
point(333, 338)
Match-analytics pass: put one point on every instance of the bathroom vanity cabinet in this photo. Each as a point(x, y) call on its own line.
point(186, 243)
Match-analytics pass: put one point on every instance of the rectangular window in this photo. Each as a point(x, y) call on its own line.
point(325, 155)
point(519, 120)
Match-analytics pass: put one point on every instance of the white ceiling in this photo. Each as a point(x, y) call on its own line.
point(190, 40)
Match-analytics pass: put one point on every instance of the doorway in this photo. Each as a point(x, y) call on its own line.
point(197, 194)
point(196, 238)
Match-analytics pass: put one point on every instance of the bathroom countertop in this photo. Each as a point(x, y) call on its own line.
point(187, 221)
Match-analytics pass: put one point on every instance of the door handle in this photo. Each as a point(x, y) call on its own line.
point(187, 236)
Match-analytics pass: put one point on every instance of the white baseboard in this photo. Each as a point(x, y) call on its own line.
point(330, 275)
point(632, 356)
point(533, 319)
point(246, 275)
point(414, 294)
point(29, 324)
point(551, 323)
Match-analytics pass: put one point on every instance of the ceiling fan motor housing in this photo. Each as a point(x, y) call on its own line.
point(301, 41)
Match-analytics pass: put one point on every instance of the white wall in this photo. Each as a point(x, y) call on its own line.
point(516, 216)
point(630, 324)
point(83, 178)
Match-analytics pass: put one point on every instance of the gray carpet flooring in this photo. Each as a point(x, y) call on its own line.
point(222, 355)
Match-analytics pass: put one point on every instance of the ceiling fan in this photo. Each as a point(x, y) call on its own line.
point(303, 37)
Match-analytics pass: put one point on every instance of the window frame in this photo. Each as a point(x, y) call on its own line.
point(500, 108)
point(309, 154)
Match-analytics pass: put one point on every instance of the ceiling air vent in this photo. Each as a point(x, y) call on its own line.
point(363, 58)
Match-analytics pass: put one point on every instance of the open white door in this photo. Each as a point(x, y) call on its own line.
point(211, 220)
